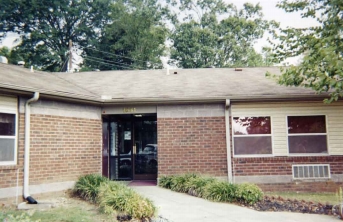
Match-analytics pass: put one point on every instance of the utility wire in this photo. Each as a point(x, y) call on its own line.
point(108, 64)
point(106, 61)
point(112, 62)
point(120, 55)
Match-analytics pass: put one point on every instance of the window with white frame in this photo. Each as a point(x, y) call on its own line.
point(252, 135)
point(7, 138)
point(307, 135)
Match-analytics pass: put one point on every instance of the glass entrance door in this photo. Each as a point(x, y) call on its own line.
point(145, 148)
point(132, 147)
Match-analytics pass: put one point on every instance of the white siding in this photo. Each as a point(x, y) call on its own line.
point(8, 104)
point(279, 112)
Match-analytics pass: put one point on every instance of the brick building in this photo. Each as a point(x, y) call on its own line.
point(139, 125)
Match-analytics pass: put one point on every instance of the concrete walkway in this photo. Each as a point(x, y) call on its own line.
point(178, 207)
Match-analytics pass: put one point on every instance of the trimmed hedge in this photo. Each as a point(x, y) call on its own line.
point(212, 189)
point(114, 197)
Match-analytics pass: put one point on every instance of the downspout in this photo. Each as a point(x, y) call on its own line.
point(27, 149)
point(228, 140)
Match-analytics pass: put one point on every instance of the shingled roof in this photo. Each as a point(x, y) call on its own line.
point(209, 84)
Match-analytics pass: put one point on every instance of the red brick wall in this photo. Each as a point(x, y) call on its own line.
point(282, 165)
point(62, 149)
point(196, 145)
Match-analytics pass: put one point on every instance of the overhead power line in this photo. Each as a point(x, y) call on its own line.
point(112, 62)
point(108, 64)
point(109, 53)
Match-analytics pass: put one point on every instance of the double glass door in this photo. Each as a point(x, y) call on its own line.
point(132, 146)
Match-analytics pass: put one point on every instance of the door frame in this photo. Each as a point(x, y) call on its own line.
point(132, 118)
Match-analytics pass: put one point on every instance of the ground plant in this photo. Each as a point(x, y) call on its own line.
point(116, 197)
point(22, 217)
point(87, 186)
point(67, 209)
point(212, 189)
point(166, 181)
point(221, 191)
point(179, 183)
point(248, 193)
point(197, 185)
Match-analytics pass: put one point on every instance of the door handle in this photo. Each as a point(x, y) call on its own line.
point(134, 149)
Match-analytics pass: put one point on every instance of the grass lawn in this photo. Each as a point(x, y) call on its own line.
point(323, 198)
point(57, 215)
point(74, 210)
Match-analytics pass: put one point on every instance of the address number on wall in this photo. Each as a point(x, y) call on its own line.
point(129, 110)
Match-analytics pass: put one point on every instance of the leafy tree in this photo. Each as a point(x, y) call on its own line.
point(12, 57)
point(46, 26)
point(322, 46)
point(135, 39)
point(213, 33)
point(5, 51)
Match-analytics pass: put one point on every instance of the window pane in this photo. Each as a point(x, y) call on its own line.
point(251, 125)
point(306, 124)
point(253, 145)
point(7, 124)
point(7, 149)
point(307, 144)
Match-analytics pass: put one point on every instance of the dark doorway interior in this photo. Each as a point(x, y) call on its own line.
point(130, 143)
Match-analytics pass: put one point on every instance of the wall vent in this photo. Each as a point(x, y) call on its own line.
point(311, 171)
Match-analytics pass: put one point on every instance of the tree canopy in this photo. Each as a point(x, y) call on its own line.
point(135, 38)
point(322, 46)
point(215, 34)
point(133, 34)
point(46, 27)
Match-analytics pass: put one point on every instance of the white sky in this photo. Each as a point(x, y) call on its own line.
point(270, 13)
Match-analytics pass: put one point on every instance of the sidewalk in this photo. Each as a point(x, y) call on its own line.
point(179, 207)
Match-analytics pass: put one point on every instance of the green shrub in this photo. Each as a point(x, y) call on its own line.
point(114, 196)
point(249, 193)
point(87, 187)
point(212, 189)
point(220, 191)
point(165, 181)
point(196, 185)
point(179, 182)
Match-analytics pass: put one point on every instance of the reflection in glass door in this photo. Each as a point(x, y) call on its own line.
point(132, 147)
point(145, 155)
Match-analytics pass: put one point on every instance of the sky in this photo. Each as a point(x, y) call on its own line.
point(270, 11)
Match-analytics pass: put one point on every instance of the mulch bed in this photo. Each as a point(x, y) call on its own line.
point(300, 206)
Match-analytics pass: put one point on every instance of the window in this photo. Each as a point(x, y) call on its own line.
point(252, 136)
point(7, 138)
point(313, 171)
point(307, 134)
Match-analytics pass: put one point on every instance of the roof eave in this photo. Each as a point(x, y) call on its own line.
point(166, 100)
point(245, 98)
point(60, 97)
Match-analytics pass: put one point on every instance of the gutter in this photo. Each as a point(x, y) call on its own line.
point(228, 140)
point(93, 100)
point(27, 149)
